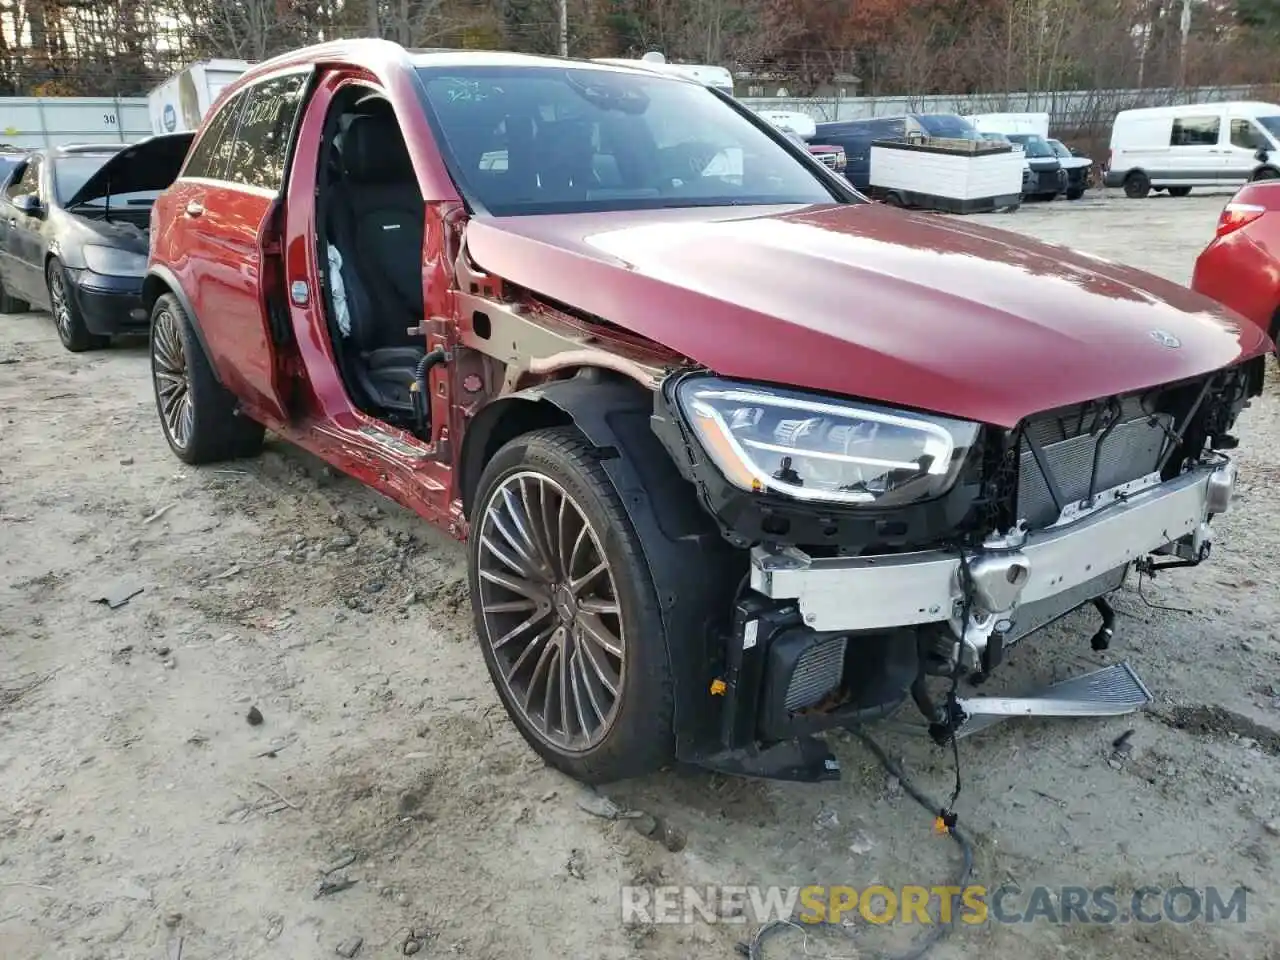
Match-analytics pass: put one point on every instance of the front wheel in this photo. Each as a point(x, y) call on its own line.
point(73, 333)
point(566, 611)
point(1076, 193)
point(1179, 191)
point(1137, 185)
point(197, 414)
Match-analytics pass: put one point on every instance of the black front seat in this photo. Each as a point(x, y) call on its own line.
point(376, 224)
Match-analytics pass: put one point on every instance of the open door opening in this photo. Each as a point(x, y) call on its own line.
point(370, 220)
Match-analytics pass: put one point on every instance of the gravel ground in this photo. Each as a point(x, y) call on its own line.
point(143, 815)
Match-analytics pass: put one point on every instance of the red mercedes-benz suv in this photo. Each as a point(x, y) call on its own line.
point(739, 456)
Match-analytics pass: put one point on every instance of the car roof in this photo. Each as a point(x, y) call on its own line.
point(370, 51)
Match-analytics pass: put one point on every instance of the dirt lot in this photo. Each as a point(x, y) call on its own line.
point(141, 815)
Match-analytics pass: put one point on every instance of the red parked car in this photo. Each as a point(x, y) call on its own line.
point(1241, 265)
point(739, 456)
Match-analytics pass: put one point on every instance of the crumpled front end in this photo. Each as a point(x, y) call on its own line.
point(890, 546)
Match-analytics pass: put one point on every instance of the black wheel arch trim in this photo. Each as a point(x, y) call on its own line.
point(159, 281)
point(694, 571)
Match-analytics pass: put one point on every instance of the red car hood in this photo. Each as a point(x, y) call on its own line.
point(906, 309)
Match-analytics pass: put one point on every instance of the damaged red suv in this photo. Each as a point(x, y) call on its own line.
point(739, 456)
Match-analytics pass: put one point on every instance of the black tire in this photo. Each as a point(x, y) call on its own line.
point(894, 199)
point(10, 303)
point(203, 424)
point(1266, 173)
point(638, 738)
point(1075, 193)
point(67, 318)
point(1137, 185)
point(1179, 191)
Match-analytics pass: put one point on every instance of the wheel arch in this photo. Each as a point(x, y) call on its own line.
point(695, 571)
point(1265, 171)
point(161, 280)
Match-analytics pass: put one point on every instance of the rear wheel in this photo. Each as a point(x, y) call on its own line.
point(197, 414)
point(1137, 185)
point(1179, 191)
point(75, 336)
point(566, 610)
point(10, 303)
point(1266, 173)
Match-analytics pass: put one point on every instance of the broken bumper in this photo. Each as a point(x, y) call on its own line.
point(1078, 556)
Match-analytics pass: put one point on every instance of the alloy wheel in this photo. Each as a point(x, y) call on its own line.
point(551, 612)
point(172, 381)
point(58, 304)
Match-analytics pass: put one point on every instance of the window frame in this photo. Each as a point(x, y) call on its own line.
point(1178, 126)
point(307, 73)
point(230, 109)
point(243, 94)
point(34, 160)
point(1260, 140)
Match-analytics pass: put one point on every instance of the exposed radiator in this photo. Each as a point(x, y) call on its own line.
point(818, 671)
point(1069, 442)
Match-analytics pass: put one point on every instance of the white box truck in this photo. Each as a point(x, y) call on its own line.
point(179, 103)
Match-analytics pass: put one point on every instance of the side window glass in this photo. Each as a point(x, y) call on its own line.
point(257, 159)
point(1194, 131)
point(208, 158)
point(20, 182)
point(28, 181)
point(1243, 134)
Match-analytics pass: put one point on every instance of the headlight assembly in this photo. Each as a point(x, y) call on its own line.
point(114, 262)
point(765, 439)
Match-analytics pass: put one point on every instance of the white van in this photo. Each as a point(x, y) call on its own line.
point(704, 73)
point(1006, 123)
point(1193, 145)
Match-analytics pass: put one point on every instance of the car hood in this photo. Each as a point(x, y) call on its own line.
point(77, 229)
point(150, 164)
point(873, 302)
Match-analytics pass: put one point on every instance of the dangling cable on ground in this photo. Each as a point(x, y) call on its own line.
point(945, 816)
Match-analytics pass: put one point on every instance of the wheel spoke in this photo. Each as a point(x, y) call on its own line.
point(518, 585)
point(541, 672)
point(593, 628)
point(583, 683)
point(577, 585)
point(517, 542)
point(535, 531)
point(521, 627)
point(511, 563)
point(535, 645)
point(598, 605)
point(608, 679)
point(510, 606)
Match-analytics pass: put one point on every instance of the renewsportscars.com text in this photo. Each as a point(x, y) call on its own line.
point(974, 904)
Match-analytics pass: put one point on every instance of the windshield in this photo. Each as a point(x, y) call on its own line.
point(538, 140)
point(947, 125)
point(72, 172)
point(1033, 145)
point(1271, 125)
point(1059, 148)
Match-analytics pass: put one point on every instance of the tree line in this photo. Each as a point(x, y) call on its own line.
point(123, 47)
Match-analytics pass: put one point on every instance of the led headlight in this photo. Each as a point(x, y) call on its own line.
point(815, 448)
point(114, 262)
